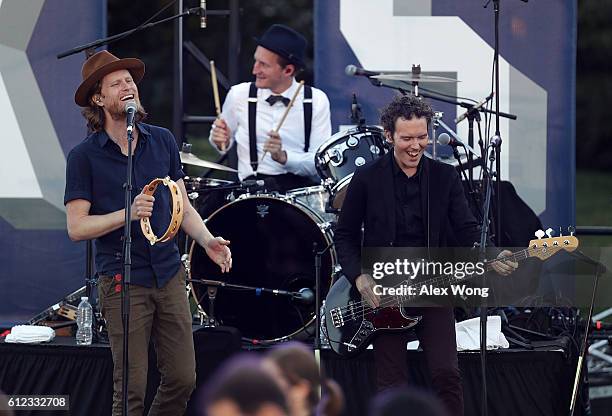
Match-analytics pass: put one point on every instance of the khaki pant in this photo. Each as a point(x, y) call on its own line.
point(161, 315)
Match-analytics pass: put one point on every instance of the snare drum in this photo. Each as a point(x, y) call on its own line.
point(314, 197)
point(338, 158)
point(272, 247)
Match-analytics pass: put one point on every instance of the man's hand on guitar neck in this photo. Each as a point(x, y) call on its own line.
point(365, 284)
point(504, 267)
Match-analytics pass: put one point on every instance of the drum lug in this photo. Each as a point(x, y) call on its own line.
point(337, 271)
point(336, 155)
point(324, 226)
point(186, 263)
point(328, 183)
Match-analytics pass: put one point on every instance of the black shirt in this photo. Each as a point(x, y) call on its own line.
point(409, 228)
point(96, 171)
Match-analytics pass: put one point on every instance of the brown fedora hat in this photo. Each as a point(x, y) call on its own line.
point(101, 64)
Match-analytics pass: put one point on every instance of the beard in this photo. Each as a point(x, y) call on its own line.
point(117, 111)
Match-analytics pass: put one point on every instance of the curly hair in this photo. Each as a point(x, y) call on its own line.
point(406, 107)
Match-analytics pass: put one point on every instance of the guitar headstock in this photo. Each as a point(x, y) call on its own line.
point(543, 248)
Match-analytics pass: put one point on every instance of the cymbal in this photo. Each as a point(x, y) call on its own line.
point(191, 159)
point(410, 78)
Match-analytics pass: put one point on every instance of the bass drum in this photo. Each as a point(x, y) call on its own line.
point(272, 248)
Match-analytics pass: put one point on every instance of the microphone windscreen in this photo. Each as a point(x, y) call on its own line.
point(350, 70)
point(130, 106)
point(444, 139)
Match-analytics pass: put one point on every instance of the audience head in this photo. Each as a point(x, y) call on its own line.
point(397, 402)
point(242, 387)
point(298, 374)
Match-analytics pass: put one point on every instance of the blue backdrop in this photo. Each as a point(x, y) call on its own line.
point(40, 265)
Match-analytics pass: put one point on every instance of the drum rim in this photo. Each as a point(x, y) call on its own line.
point(354, 131)
point(300, 191)
point(326, 232)
point(201, 178)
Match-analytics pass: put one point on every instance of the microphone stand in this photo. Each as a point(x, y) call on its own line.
point(497, 133)
point(484, 230)
point(195, 11)
point(497, 156)
point(127, 270)
point(472, 115)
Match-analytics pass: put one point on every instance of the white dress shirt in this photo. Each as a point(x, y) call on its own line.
point(236, 114)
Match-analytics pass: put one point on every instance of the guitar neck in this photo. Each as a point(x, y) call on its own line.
point(446, 280)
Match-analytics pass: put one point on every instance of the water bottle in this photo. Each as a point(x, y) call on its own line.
point(84, 322)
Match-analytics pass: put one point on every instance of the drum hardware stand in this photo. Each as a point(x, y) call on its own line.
point(212, 288)
point(317, 263)
point(212, 295)
point(356, 114)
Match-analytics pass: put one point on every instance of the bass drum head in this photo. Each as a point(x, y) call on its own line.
point(272, 248)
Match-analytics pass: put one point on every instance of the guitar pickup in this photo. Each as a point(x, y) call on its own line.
point(337, 318)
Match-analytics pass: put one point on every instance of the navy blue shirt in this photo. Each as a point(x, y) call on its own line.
point(96, 171)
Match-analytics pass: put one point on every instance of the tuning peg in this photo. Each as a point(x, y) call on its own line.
point(539, 234)
point(571, 229)
point(560, 231)
point(549, 232)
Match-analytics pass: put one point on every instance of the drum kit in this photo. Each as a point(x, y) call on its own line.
point(268, 295)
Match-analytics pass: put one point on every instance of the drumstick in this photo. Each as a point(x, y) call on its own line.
point(282, 120)
point(213, 77)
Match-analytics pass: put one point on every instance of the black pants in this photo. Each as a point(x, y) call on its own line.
point(282, 183)
point(436, 333)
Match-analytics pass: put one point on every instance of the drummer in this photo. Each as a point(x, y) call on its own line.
point(288, 162)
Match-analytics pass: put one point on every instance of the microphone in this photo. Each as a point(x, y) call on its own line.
point(353, 71)
point(476, 107)
point(202, 14)
point(495, 142)
point(304, 295)
point(251, 182)
point(130, 110)
point(445, 139)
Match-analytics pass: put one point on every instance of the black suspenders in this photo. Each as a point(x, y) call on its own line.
point(307, 116)
point(253, 120)
point(252, 126)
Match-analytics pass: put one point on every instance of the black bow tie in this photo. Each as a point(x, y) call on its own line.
point(275, 98)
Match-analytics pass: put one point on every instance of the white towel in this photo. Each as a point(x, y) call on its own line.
point(468, 334)
point(27, 334)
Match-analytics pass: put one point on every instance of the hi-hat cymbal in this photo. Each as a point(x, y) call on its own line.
point(191, 159)
point(411, 77)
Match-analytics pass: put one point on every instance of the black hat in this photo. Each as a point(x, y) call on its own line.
point(285, 42)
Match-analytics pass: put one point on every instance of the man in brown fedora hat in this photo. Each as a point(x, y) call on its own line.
point(94, 199)
point(252, 111)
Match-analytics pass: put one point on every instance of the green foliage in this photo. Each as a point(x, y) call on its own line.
point(594, 85)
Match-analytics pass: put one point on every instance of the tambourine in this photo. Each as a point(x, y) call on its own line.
point(177, 211)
